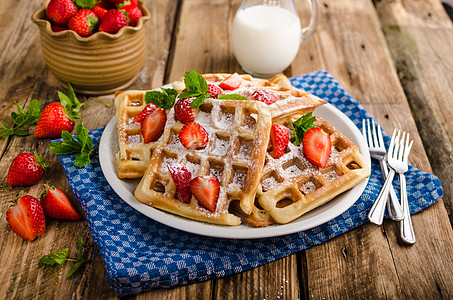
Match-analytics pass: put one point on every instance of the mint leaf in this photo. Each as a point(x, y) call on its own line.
point(34, 109)
point(199, 100)
point(22, 118)
point(164, 99)
point(75, 267)
point(58, 257)
point(81, 145)
point(232, 97)
point(20, 132)
point(302, 125)
point(71, 104)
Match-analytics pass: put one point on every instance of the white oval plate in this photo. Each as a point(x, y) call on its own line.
point(125, 188)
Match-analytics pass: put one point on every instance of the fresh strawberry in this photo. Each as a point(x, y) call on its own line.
point(214, 90)
point(56, 204)
point(132, 12)
point(193, 136)
point(58, 28)
point(183, 112)
point(232, 82)
point(59, 116)
point(181, 177)
point(61, 11)
point(26, 218)
point(317, 146)
point(26, 169)
point(153, 125)
point(264, 96)
point(99, 11)
point(149, 108)
point(117, 2)
point(280, 139)
point(206, 190)
point(84, 22)
point(113, 21)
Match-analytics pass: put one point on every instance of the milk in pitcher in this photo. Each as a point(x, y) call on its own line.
point(265, 39)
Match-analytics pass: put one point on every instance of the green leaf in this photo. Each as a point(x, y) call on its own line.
point(75, 267)
point(199, 100)
point(20, 132)
point(164, 99)
point(232, 97)
point(302, 125)
point(79, 246)
point(71, 104)
point(81, 159)
point(6, 132)
point(34, 109)
point(86, 3)
point(58, 257)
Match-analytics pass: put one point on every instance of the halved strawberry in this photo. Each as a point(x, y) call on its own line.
point(26, 218)
point(206, 190)
point(153, 125)
point(317, 146)
point(214, 90)
point(232, 82)
point(183, 112)
point(181, 177)
point(193, 136)
point(264, 96)
point(146, 111)
point(280, 139)
point(56, 204)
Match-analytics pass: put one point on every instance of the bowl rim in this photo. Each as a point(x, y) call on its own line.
point(44, 23)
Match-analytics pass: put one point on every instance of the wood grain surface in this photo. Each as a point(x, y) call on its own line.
point(394, 57)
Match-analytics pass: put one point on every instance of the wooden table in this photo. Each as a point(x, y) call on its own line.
point(393, 56)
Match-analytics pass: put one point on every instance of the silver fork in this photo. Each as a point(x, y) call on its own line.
point(400, 165)
point(376, 146)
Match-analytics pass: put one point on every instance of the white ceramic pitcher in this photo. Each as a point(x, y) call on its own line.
point(266, 35)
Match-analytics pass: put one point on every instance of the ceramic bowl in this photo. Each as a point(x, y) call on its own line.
point(99, 64)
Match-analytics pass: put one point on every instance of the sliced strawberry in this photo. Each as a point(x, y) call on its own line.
point(206, 190)
point(181, 177)
point(280, 139)
point(183, 112)
point(232, 82)
point(26, 169)
point(317, 146)
point(264, 96)
point(214, 90)
point(193, 136)
point(146, 111)
point(26, 218)
point(56, 204)
point(153, 125)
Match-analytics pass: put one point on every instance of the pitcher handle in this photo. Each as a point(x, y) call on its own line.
point(308, 31)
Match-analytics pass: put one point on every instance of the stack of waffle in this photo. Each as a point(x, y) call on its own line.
point(254, 186)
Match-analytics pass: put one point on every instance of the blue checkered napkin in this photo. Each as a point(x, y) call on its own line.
point(141, 254)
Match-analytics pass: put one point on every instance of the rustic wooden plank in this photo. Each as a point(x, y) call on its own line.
point(25, 77)
point(420, 38)
point(371, 261)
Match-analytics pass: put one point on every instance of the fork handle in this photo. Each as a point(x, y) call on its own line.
point(406, 229)
point(376, 214)
point(393, 205)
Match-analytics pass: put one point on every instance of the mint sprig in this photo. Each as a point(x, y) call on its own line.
point(71, 104)
point(61, 256)
point(21, 119)
point(81, 145)
point(302, 125)
point(196, 86)
point(164, 99)
point(232, 97)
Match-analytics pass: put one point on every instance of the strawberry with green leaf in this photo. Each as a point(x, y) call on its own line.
point(22, 119)
point(81, 145)
point(26, 169)
point(59, 116)
point(84, 22)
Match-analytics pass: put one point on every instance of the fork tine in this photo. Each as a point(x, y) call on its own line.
point(408, 148)
point(380, 138)
point(370, 139)
point(375, 140)
point(364, 131)
point(392, 144)
point(401, 150)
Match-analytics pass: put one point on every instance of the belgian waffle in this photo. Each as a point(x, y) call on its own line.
point(238, 139)
point(290, 101)
point(133, 156)
point(291, 186)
